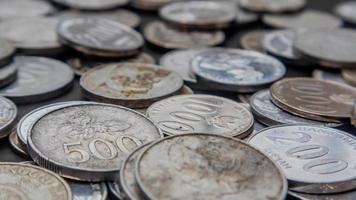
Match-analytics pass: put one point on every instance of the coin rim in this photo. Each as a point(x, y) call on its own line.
point(5, 130)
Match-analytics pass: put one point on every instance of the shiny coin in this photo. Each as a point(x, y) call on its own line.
point(253, 40)
point(115, 191)
point(236, 70)
point(88, 191)
point(201, 114)
point(10, 9)
point(8, 114)
point(8, 75)
point(315, 99)
point(351, 195)
point(89, 142)
point(350, 76)
point(200, 14)
point(208, 167)
point(100, 37)
point(346, 10)
point(21, 181)
point(310, 19)
point(314, 159)
point(7, 50)
point(38, 79)
point(338, 52)
point(133, 85)
point(272, 6)
point(15, 144)
point(92, 4)
point(328, 76)
point(162, 35)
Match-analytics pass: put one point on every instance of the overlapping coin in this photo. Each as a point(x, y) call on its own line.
point(8, 114)
point(350, 195)
point(10, 9)
point(92, 4)
point(8, 75)
point(272, 6)
point(253, 40)
point(16, 145)
point(244, 17)
point(346, 10)
point(7, 50)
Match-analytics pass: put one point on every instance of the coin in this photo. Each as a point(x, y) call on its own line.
point(8, 114)
point(338, 52)
point(21, 181)
point(99, 37)
point(162, 35)
point(38, 79)
point(88, 191)
point(209, 167)
point(8, 75)
point(272, 6)
point(346, 10)
point(134, 85)
point(309, 19)
point(244, 17)
point(314, 159)
point(149, 5)
point(253, 40)
point(15, 144)
point(353, 115)
point(7, 50)
point(92, 4)
point(115, 191)
point(351, 195)
point(199, 14)
point(10, 9)
point(88, 142)
point(350, 76)
point(236, 70)
point(201, 114)
point(328, 76)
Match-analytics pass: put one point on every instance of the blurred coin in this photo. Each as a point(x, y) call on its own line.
point(350, 195)
point(272, 6)
point(7, 50)
point(15, 144)
point(350, 76)
point(89, 142)
point(207, 167)
point(328, 76)
point(92, 4)
point(10, 9)
point(22, 181)
point(88, 191)
point(253, 40)
point(8, 75)
point(38, 79)
point(314, 159)
point(200, 14)
point(201, 114)
point(8, 114)
point(346, 10)
point(134, 85)
point(236, 70)
point(244, 17)
point(149, 5)
point(162, 35)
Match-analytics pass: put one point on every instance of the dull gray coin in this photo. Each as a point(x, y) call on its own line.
point(88, 191)
point(7, 50)
point(8, 74)
point(92, 4)
point(10, 9)
point(346, 10)
point(328, 76)
point(115, 191)
point(8, 114)
point(272, 6)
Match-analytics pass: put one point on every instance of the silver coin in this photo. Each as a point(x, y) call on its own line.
point(351, 195)
point(149, 5)
point(204, 166)
point(8, 75)
point(272, 6)
point(22, 181)
point(16, 146)
point(315, 159)
point(257, 127)
point(199, 14)
point(38, 79)
point(89, 142)
point(201, 114)
point(134, 85)
point(88, 191)
point(328, 76)
point(8, 114)
point(236, 70)
point(92, 4)
point(7, 50)
point(346, 10)
point(10, 9)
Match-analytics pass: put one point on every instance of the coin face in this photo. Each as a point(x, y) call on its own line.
point(15, 144)
point(8, 75)
point(236, 70)
point(253, 40)
point(328, 76)
point(162, 35)
point(92, 4)
point(6, 52)
point(314, 99)
point(314, 159)
point(272, 6)
point(133, 85)
point(350, 76)
point(201, 114)
point(88, 191)
point(207, 167)
point(21, 181)
point(346, 10)
point(8, 114)
point(10, 9)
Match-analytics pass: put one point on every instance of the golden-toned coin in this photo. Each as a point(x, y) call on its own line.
point(253, 40)
point(350, 76)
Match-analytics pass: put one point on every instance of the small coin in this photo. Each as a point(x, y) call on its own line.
point(338, 52)
point(201, 114)
point(350, 76)
point(8, 75)
point(351, 195)
point(253, 40)
point(314, 159)
point(346, 10)
point(21, 181)
point(88, 142)
point(10, 9)
point(209, 167)
point(272, 6)
point(8, 114)
point(7, 50)
point(162, 35)
point(92, 4)
point(88, 191)
point(149, 5)
point(328, 76)
point(15, 144)
point(236, 70)
point(134, 85)
point(199, 14)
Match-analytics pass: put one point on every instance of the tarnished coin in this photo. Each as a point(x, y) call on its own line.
point(92, 4)
point(8, 75)
point(351, 195)
point(100, 37)
point(88, 191)
point(21, 181)
point(200, 14)
point(201, 114)
point(309, 19)
point(314, 159)
point(314, 99)
point(338, 52)
point(236, 70)
point(8, 114)
point(15, 144)
point(134, 85)
point(253, 40)
point(7, 50)
point(10, 9)
point(38, 79)
point(350, 76)
point(150, 5)
point(328, 76)
point(205, 166)
point(346, 10)
point(164, 36)
point(272, 6)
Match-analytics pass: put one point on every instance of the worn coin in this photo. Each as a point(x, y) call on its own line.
point(10, 9)
point(21, 181)
point(350, 76)
point(201, 114)
point(7, 50)
point(315, 159)
point(328, 75)
point(351, 195)
point(199, 14)
point(346, 10)
point(89, 142)
point(164, 36)
point(236, 70)
point(8, 75)
point(8, 114)
point(92, 4)
point(205, 166)
point(253, 40)
point(134, 85)
point(15, 144)
point(272, 6)
point(150, 5)
point(88, 191)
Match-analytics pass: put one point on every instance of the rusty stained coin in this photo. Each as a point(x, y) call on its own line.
point(94, 5)
point(206, 166)
point(7, 50)
point(134, 85)
point(314, 99)
point(16, 145)
point(165, 36)
point(10, 9)
point(8, 75)
point(201, 114)
point(253, 40)
point(350, 76)
point(346, 10)
point(8, 115)
point(272, 6)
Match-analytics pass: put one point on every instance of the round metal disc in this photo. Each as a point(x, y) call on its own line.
point(7, 50)
point(325, 75)
point(10, 9)
point(92, 4)
point(8, 74)
point(8, 114)
point(253, 40)
point(350, 76)
point(88, 191)
point(15, 144)
point(272, 6)
point(351, 195)
point(346, 10)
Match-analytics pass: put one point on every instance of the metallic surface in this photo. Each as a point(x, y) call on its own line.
point(92, 4)
point(10, 9)
point(350, 76)
point(8, 75)
point(88, 191)
point(346, 10)
point(6, 52)
point(272, 6)
point(325, 75)
point(8, 115)
point(253, 40)
point(15, 144)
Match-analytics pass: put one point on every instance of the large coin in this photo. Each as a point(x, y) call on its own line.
point(8, 114)
point(328, 76)
point(10, 9)
point(21, 181)
point(201, 114)
point(162, 35)
point(350, 195)
point(346, 10)
point(205, 166)
point(92, 4)
point(350, 76)
point(8, 75)
point(272, 6)
point(236, 70)
point(7, 50)
point(253, 40)
point(133, 85)
point(314, 99)
point(314, 159)
point(89, 142)
point(88, 191)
